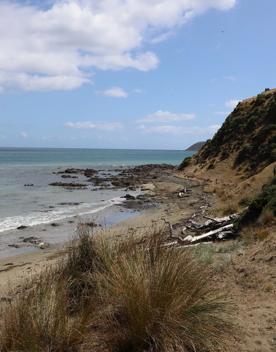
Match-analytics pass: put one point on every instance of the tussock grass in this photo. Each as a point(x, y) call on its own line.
point(161, 299)
point(78, 267)
point(38, 320)
point(123, 296)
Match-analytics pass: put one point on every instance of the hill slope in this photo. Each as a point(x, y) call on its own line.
point(240, 159)
point(248, 135)
point(195, 147)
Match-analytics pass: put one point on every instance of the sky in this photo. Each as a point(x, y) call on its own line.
point(143, 74)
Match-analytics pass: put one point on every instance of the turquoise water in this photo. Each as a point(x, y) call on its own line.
point(93, 157)
point(43, 204)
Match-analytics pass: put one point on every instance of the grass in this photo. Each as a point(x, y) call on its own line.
point(121, 296)
point(250, 234)
point(228, 208)
point(38, 320)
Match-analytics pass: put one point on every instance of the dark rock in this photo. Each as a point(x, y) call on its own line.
point(129, 197)
point(22, 227)
point(92, 224)
point(54, 224)
point(70, 203)
point(68, 176)
point(28, 185)
point(31, 239)
point(68, 185)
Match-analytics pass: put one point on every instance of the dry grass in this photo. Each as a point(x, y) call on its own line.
point(266, 218)
point(38, 320)
point(161, 299)
point(77, 269)
point(123, 296)
point(252, 233)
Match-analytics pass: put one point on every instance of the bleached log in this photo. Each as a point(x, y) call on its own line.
point(210, 234)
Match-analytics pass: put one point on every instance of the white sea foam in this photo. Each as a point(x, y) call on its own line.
point(32, 219)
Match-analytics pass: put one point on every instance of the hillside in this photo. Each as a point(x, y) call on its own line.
point(196, 146)
point(240, 159)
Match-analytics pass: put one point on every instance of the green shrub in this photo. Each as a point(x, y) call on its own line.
point(265, 201)
point(186, 162)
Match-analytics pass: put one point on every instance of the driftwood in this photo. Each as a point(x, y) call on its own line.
point(214, 229)
point(218, 234)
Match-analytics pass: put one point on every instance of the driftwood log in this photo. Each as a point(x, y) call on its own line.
point(214, 229)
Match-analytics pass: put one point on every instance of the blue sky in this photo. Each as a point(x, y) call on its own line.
point(129, 74)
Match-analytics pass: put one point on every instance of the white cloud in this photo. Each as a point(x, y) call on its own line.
point(23, 135)
point(54, 47)
point(88, 125)
point(115, 92)
point(180, 130)
point(166, 116)
point(232, 103)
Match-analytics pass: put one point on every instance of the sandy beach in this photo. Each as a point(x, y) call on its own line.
point(245, 270)
point(160, 202)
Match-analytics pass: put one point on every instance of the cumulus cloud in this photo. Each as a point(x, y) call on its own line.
point(88, 125)
point(232, 103)
point(55, 46)
point(166, 116)
point(115, 92)
point(180, 130)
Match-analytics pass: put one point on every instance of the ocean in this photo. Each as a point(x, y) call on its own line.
point(21, 205)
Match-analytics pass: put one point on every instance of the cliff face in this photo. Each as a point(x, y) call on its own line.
point(247, 138)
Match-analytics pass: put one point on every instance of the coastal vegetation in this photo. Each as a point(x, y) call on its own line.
point(247, 138)
point(120, 295)
point(263, 207)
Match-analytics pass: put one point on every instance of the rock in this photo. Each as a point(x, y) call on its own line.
point(148, 187)
point(31, 239)
point(68, 176)
point(28, 185)
point(14, 245)
point(42, 245)
point(54, 224)
point(68, 185)
point(70, 203)
point(129, 197)
point(22, 227)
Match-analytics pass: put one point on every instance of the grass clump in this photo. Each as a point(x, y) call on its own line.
point(37, 319)
point(162, 299)
point(124, 296)
point(81, 262)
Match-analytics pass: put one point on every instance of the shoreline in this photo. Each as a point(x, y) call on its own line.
point(244, 270)
point(157, 201)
